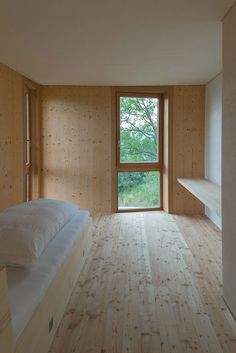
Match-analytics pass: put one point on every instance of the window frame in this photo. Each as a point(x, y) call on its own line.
point(140, 166)
point(27, 144)
point(31, 170)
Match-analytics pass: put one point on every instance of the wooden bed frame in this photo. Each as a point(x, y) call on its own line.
point(40, 330)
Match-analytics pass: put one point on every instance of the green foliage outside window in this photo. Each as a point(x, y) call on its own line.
point(138, 129)
point(138, 143)
point(139, 189)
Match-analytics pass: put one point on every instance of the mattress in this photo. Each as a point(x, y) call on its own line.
point(27, 286)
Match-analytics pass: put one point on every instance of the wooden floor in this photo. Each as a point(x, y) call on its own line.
point(152, 283)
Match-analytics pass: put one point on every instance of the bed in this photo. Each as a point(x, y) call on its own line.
point(33, 298)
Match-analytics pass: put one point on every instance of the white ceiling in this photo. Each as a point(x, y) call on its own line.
point(113, 42)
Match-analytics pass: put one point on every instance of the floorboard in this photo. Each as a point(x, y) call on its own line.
point(152, 283)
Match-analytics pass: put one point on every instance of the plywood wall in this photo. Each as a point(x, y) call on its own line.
point(11, 137)
point(188, 116)
point(76, 145)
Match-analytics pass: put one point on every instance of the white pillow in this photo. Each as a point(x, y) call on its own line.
point(26, 229)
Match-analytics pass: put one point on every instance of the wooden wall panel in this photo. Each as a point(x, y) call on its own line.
point(167, 152)
point(11, 137)
point(187, 144)
point(76, 145)
point(77, 132)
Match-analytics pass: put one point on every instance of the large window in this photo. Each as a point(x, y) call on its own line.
point(139, 151)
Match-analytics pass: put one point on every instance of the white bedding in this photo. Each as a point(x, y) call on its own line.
point(26, 229)
point(27, 286)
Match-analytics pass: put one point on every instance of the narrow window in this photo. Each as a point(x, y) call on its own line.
point(27, 144)
point(139, 151)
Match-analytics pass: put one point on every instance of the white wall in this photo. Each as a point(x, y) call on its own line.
point(213, 132)
point(229, 159)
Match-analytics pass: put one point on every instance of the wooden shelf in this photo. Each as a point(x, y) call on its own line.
point(206, 191)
